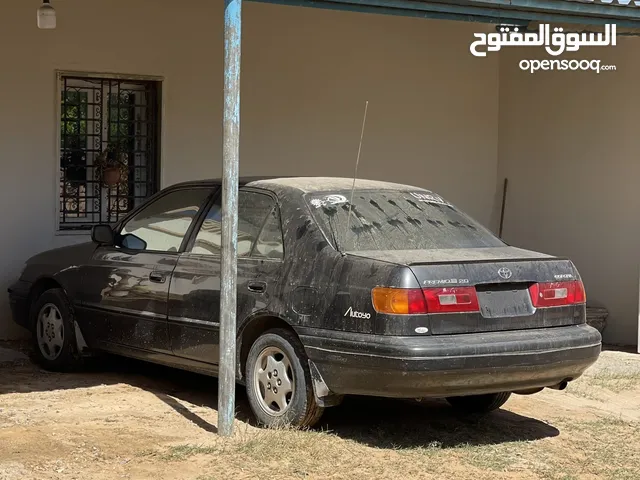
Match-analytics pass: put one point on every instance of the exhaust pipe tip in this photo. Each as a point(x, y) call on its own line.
point(560, 386)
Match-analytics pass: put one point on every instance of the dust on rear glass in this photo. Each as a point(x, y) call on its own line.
point(395, 220)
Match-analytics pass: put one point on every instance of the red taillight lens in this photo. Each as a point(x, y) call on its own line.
point(451, 300)
point(411, 301)
point(556, 294)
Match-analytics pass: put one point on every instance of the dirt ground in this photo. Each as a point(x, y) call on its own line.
point(125, 419)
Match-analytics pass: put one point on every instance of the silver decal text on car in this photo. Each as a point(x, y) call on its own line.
point(446, 281)
point(563, 276)
point(505, 273)
point(353, 314)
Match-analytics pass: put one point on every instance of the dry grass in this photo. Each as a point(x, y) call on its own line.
point(617, 372)
point(593, 448)
point(151, 423)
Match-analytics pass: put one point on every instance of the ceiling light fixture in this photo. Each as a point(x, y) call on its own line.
point(46, 16)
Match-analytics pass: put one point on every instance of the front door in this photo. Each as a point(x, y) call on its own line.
point(126, 286)
point(194, 304)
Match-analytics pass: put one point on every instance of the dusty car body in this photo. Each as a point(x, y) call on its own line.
point(382, 289)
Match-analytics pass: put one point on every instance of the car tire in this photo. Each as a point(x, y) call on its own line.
point(295, 403)
point(53, 332)
point(479, 404)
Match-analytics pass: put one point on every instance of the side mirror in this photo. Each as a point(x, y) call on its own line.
point(102, 235)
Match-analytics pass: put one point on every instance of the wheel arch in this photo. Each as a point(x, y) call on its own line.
point(40, 286)
point(249, 332)
point(261, 323)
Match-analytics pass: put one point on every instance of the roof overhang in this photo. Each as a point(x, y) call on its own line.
point(624, 13)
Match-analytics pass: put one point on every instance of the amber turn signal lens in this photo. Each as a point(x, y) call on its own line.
point(398, 301)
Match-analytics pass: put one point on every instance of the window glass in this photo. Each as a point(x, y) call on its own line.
point(163, 224)
point(253, 208)
point(209, 236)
point(396, 220)
point(109, 151)
point(269, 244)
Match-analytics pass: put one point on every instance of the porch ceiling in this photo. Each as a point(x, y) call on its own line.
point(625, 13)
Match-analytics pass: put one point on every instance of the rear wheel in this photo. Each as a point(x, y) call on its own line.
point(479, 403)
point(278, 381)
point(54, 332)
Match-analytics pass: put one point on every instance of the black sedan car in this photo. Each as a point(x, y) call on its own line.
point(378, 289)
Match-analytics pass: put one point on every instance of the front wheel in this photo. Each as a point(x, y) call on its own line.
point(279, 383)
point(53, 332)
point(479, 403)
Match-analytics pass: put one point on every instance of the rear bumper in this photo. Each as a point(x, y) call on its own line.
point(451, 365)
point(18, 300)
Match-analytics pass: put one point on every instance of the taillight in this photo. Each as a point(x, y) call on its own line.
point(556, 294)
point(398, 301)
point(451, 300)
point(408, 301)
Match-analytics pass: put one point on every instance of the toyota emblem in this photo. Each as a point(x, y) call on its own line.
point(505, 273)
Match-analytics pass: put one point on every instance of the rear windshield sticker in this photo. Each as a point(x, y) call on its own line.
point(429, 198)
point(329, 200)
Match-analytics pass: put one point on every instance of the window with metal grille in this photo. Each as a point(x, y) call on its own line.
point(109, 148)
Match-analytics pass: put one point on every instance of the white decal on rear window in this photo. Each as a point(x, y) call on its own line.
point(336, 199)
point(328, 200)
point(429, 197)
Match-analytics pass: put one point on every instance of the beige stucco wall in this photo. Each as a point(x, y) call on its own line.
point(569, 147)
point(433, 108)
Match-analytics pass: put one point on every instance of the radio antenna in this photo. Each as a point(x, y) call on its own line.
point(355, 173)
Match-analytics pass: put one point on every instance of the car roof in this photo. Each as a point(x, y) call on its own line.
point(218, 181)
point(308, 184)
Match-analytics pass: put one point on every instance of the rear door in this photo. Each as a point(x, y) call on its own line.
point(125, 287)
point(194, 303)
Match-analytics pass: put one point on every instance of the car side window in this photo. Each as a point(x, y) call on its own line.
point(269, 243)
point(162, 225)
point(253, 209)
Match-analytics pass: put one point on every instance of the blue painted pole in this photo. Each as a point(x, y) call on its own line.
point(228, 262)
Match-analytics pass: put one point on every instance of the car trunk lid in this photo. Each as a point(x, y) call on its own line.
point(501, 277)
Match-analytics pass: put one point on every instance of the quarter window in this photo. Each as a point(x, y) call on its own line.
point(253, 209)
point(269, 243)
point(162, 225)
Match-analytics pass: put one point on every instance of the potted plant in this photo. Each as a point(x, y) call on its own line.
point(111, 166)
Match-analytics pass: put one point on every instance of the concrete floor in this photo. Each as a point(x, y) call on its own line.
point(8, 355)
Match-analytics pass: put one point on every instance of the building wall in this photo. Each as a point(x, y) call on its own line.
point(569, 148)
point(432, 120)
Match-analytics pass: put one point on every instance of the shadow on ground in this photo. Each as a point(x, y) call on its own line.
point(390, 423)
point(377, 422)
point(620, 348)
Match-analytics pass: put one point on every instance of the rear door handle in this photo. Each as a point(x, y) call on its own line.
point(257, 287)
point(157, 277)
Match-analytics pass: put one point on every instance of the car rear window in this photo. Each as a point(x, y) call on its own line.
point(396, 220)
